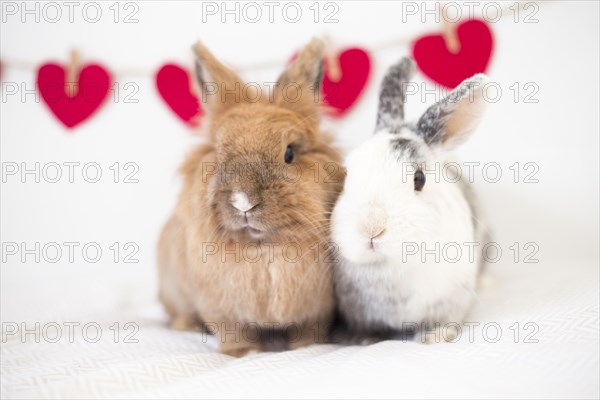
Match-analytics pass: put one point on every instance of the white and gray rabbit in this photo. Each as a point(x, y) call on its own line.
point(393, 214)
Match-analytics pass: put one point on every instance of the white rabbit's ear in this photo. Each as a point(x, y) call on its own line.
point(452, 120)
point(392, 95)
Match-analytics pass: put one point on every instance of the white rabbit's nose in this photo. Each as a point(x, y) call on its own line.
point(374, 223)
point(375, 233)
point(371, 231)
point(240, 201)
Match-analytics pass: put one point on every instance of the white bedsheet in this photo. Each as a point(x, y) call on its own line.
point(561, 299)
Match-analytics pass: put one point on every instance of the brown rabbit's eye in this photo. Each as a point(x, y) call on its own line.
point(419, 180)
point(289, 154)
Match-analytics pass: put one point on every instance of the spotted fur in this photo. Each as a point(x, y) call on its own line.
point(377, 287)
point(393, 95)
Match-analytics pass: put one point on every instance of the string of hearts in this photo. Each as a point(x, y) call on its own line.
point(74, 93)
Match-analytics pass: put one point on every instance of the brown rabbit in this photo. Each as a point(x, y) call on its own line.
point(247, 246)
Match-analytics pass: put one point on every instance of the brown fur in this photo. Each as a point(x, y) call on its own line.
point(237, 294)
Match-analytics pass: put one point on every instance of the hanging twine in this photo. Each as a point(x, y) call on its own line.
point(448, 32)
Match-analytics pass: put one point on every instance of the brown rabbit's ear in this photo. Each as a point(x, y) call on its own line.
point(220, 86)
point(298, 87)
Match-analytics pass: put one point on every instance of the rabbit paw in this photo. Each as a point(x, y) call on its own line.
point(447, 334)
point(239, 351)
point(184, 323)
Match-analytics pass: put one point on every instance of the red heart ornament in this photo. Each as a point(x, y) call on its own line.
point(448, 69)
point(340, 95)
point(92, 88)
point(173, 84)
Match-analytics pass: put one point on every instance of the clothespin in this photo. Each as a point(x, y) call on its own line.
point(449, 32)
point(334, 72)
point(72, 78)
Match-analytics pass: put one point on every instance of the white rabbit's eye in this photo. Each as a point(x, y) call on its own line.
point(289, 154)
point(419, 180)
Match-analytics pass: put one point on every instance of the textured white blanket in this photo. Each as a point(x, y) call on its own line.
point(547, 347)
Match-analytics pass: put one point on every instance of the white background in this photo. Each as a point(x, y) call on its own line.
point(559, 53)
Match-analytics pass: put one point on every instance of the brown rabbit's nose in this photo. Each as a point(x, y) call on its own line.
point(241, 202)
